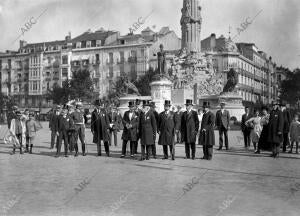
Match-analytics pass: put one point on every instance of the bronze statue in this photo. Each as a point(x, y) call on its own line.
point(161, 58)
point(232, 81)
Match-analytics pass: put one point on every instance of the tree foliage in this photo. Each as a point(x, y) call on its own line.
point(80, 87)
point(143, 83)
point(290, 87)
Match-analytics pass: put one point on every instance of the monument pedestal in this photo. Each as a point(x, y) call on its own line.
point(232, 100)
point(130, 97)
point(161, 88)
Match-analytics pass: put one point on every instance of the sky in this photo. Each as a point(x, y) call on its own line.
point(275, 30)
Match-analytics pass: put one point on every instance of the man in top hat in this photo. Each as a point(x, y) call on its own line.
point(222, 123)
point(65, 123)
point(147, 130)
point(131, 128)
point(275, 129)
point(71, 132)
point(152, 109)
point(53, 123)
point(94, 117)
point(167, 127)
point(102, 126)
point(287, 119)
point(78, 119)
point(189, 129)
point(207, 134)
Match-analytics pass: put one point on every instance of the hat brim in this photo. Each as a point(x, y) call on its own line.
point(187, 104)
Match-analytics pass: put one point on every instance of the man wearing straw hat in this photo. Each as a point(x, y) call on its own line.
point(189, 129)
point(207, 134)
point(167, 126)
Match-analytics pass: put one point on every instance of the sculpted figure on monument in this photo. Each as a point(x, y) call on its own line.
point(232, 81)
point(161, 58)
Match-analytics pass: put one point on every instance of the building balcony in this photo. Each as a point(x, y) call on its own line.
point(132, 59)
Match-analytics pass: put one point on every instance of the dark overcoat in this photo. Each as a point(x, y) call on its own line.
point(189, 126)
point(94, 117)
point(53, 122)
point(147, 128)
point(286, 120)
point(130, 134)
point(244, 127)
point(207, 137)
point(102, 126)
point(167, 124)
point(275, 126)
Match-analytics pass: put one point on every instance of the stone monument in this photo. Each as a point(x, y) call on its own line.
point(161, 85)
point(193, 72)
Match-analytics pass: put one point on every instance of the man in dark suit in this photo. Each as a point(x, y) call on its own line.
point(189, 129)
point(138, 110)
point(167, 127)
point(286, 125)
point(102, 126)
point(152, 109)
point(147, 130)
point(275, 129)
point(53, 122)
point(130, 132)
point(113, 119)
point(64, 124)
point(222, 122)
point(178, 116)
point(207, 134)
point(246, 130)
point(94, 118)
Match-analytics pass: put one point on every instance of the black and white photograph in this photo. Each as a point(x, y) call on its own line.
point(149, 107)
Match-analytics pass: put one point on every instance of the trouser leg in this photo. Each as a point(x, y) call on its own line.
point(165, 150)
point(187, 150)
point(143, 148)
point(82, 138)
point(99, 147)
point(115, 137)
point(76, 134)
point(124, 146)
point(193, 148)
point(65, 137)
point(220, 138)
point(285, 141)
point(226, 138)
point(153, 147)
point(297, 145)
point(132, 147)
point(209, 151)
point(148, 149)
point(60, 138)
point(53, 138)
point(106, 146)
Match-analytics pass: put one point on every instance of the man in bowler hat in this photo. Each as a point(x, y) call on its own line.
point(222, 122)
point(207, 135)
point(167, 126)
point(189, 129)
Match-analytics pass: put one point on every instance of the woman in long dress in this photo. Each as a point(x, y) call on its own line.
point(254, 123)
point(263, 140)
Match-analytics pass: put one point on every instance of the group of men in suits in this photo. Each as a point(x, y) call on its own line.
point(67, 124)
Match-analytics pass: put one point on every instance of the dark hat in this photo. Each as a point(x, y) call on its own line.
point(97, 102)
point(275, 103)
point(146, 103)
point(31, 114)
point(130, 104)
point(18, 113)
point(78, 105)
point(137, 102)
point(152, 104)
point(222, 103)
point(189, 102)
point(167, 103)
point(14, 107)
point(206, 104)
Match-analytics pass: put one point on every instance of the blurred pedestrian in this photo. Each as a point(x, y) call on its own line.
point(17, 131)
point(255, 124)
point(246, 129)
point(222, 123)
point(31, 128)
point(53, 125)
point(295, 133)
point(286, 126)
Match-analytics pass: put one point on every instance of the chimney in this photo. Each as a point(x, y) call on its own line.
point(213, 41)
point(23, 43)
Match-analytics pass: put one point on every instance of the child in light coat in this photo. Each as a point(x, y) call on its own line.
point(31, 128)
point(17, 132)
point(295, 133)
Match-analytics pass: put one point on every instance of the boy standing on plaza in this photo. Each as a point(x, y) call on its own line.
point(31, 128)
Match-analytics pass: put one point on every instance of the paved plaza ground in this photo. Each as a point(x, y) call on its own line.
point(235, 182)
